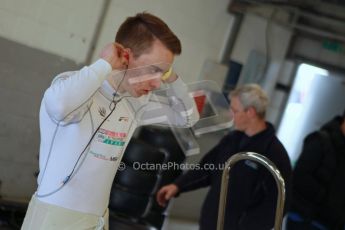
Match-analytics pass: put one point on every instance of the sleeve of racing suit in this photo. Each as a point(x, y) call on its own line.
point(72, 90)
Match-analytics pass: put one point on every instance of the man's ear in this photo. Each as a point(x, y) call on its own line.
point(127, 55)
point(251, 111)
point(123, 53)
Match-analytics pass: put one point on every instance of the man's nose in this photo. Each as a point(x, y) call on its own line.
point(155, 84)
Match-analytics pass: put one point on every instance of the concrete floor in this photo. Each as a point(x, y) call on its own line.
point(178, 224)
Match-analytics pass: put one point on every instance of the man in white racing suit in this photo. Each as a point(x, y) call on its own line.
point(87, 118)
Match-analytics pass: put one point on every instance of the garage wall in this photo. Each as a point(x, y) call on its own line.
point(61, 27)
point(25, 73)
point(201, 25)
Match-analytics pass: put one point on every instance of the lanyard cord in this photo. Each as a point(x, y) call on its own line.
point(112, 107)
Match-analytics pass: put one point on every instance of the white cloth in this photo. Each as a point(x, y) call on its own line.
point(43, 216)
point(71, 110)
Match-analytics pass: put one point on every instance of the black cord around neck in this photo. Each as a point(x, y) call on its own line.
point(112, 103)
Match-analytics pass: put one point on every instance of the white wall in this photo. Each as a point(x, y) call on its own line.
point(62, 27)
point(66, 27)
point(252, 36)
point(201, 25)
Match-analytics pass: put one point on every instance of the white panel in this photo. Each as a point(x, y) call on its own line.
point(251, 37)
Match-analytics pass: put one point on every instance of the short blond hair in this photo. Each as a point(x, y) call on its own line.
point(251, 95)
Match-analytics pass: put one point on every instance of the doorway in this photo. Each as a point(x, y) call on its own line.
point(316, 96)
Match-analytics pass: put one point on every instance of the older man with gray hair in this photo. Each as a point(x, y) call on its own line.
point(252, 195)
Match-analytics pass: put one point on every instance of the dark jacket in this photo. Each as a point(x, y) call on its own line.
point(252, 192)
point(319, 177)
